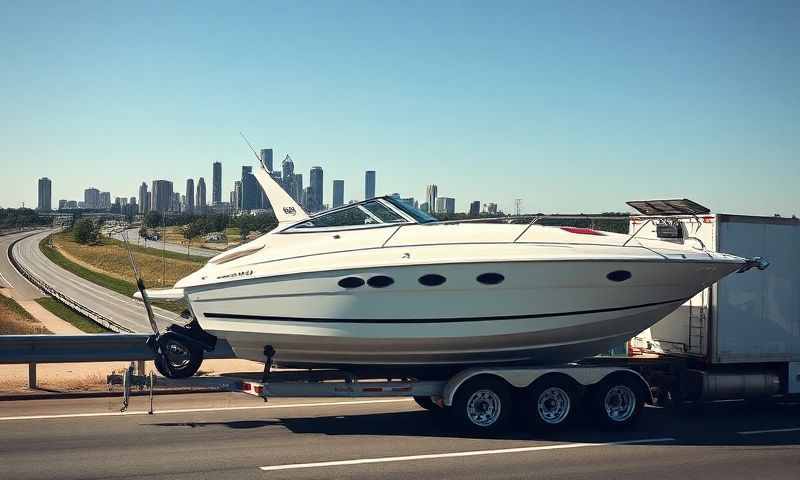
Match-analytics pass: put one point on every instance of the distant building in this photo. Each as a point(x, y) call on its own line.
point(105, 200)
point(200, 201)
point(425, 207)
point(144, 198)
point(430, 197)
point(45, 194)
point(315, 181)
point(287, 167)
point(72, 204)
point(308, 198)
point(189, 196)
point(475, 208)
point(491, 208)
point(216, 184)
point(91, 198)
point(338, 193)
point(446, 205)
point(251, 191)
point(236, 195)
point(62, 204)
point(299, 193)
point(369, 184)
point(175, 205)
point(266, 157)
point(161, 196)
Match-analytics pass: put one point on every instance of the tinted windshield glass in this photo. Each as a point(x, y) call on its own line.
point(341, 218)
point(414, 213)
point(383, 212)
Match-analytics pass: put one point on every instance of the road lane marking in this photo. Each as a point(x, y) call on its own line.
point(472, 453)
point(775, 430)
point(6, 280)
point(209, 409)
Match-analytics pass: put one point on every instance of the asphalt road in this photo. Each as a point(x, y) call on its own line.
point(9, 277)
point(229, 436)
point(123, 310)
point(133, 237)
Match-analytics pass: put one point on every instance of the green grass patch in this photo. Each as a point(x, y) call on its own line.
point(106, 281)
point(68, 315)
point(15, 307)
point(158, 252)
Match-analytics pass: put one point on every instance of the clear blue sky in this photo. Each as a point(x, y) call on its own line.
point(571, 106)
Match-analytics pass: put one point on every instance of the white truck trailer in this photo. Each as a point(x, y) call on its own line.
point(739, 338)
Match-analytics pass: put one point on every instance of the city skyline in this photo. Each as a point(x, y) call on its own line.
point(706, 99)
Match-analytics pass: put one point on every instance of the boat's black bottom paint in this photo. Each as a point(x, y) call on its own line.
point(235, 316)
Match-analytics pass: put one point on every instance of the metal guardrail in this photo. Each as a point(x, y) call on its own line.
point(102, 347)
point(66, 300)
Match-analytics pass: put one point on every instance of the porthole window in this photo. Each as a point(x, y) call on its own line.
point(380, 281)
point(490, 278)
point(351, 282)
point(432, 280)
point(619, 275)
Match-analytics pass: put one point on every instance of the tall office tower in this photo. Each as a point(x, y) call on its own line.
point(338, 193)
point(161, 199)
point(236, 195)
point(297, 187)
point(91, 198)
point(308, 198)
point(175, 205)
point(315, 181)
point(475, 208)
point(189, 196)
point(266, 157)
point(132, 206)
point(446, 205)
point(45, 194)
point(200, 204)
point(216, 184)
point(491, 208)
point(430, 198)
point(287, 167)
point(144, 198)
point(369, 185)
point(105, 199)
point(62, 204)
point(251, 191)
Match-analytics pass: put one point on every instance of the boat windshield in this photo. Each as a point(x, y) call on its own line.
point(411, 211)
point(368, 213)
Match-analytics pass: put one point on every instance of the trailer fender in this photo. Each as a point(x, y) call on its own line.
point(522, 377)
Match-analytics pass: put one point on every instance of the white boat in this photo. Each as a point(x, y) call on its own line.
point(381, 284)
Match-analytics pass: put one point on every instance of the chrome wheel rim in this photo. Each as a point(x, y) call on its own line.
point(483, 408)
point(553, 405)
point(620, 403)
point(177, 354)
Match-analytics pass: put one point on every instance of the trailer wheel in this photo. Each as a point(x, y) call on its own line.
point(553, 403)
point(618, 401)
point(483, 404)
point(181, 359)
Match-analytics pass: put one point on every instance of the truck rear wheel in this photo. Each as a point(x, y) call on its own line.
point(483, 404)
point(618, 401)
point(553, 403)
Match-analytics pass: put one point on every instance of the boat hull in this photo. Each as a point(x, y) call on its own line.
point(542, 312)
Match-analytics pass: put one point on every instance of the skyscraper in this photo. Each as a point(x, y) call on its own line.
point(216, 184)
point(266, 157)
point(144, 198)
point(105, 200)
point(430, 197)
point(369, 184)
point(297, 182)
point(287, 167)
point(62, 204)
point(189, 196)
point(251, 191)
point(91, 198)
point(446, 205)
point(161, 196)
point(45, 194)
point(315, 181)
point(475, 208)
point(200, 204)
point(236, 195)
point(338, 193)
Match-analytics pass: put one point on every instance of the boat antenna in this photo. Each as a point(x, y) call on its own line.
point(254, 151)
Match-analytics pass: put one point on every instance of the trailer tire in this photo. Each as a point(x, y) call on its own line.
point(617, 401)
point(483, 405)
point(552, 403)
point(181, 359)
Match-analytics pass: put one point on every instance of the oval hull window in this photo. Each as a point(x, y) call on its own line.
point(490, 278)
point(432, 280)
point(619, 275)
point(351, 282)
point(380, 281)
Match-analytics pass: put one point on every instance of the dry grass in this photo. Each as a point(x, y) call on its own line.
point(111, 259)
point(14, 320)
